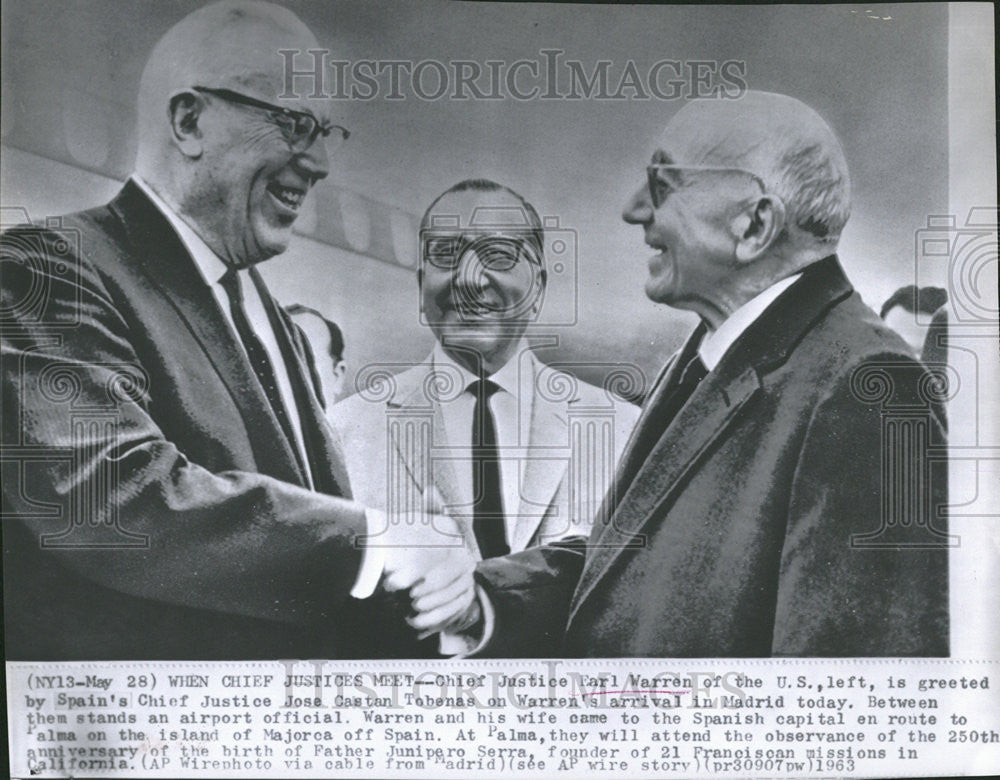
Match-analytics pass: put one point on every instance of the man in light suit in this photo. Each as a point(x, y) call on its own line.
point(519, 453)
point(766, 504)
point(170, 486)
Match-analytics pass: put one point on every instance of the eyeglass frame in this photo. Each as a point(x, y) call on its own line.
point(652, 179)
point(525, 239)
point(318, 129)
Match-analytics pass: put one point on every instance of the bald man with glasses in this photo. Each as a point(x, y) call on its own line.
point(767, 503)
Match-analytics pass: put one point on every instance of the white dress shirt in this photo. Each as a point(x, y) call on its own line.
point(511, 406)
point(212, 269)
point(716, 343)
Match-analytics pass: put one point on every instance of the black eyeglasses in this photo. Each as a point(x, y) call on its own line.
point(495, 251)
point(299, 128)
point(656, 185)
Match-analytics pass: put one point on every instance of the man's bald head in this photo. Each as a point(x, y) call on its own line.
point(216, 141)
point(740, 195)
point(780, 139)
point(231, 44)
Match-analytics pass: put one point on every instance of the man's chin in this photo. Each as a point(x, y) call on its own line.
point(477, 337)
point(273, 241)
point(658, 292)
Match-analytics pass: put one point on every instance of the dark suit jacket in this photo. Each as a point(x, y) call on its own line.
point(153, 507)
point(794, 506)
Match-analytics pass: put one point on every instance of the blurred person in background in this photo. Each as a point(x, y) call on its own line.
point(326, 343)
point(908, 311)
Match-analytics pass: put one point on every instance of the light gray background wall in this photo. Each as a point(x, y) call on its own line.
point(70, 72)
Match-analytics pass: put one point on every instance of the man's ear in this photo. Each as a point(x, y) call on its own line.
point(758, 227)
point(184, 112)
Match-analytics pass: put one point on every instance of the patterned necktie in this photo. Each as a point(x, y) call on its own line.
point(488, 518)
point(257, 353)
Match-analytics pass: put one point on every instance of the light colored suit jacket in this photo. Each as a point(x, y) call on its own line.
point(569, 440)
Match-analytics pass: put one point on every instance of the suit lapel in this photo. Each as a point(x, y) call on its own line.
point(545, 458)
point(702, 420)
point(322, 445)
point(660, 403)
point(172, 270)
point(707, 414)
point(419, 439)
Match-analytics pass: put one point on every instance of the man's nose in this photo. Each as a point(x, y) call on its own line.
point(638, 209)
point(470, 271)
point(314, 161)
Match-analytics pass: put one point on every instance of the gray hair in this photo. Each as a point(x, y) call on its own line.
point(783, 141)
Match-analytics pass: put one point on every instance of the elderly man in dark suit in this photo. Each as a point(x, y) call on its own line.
point(170, 486)
point(762, 507)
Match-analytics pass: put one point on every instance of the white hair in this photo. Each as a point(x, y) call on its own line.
point(783, 141)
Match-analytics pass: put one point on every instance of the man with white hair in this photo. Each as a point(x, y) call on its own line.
point(173, 490)
point(758, 509)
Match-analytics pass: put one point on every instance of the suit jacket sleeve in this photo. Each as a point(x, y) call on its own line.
point(862, 574)
point(234, 541)
point(530, 592)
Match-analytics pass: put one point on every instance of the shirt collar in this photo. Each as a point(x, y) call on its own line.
point(715, 344)
point(506, 376)
point(209, 265)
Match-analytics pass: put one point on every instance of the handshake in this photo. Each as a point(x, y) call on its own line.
point(426, 555)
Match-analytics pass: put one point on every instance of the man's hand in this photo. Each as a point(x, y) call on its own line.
point(453, 608)
point(426, 554)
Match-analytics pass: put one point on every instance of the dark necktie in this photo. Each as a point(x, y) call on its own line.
point(488, 518)
point(257, 353)
point(668, 405)
point(691, 377)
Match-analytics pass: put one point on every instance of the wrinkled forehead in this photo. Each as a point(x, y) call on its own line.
point(708, 133)
point(256, 57)
point(471, 210)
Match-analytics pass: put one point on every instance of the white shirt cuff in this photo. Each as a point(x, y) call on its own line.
point(461, 645)
point(372, 557)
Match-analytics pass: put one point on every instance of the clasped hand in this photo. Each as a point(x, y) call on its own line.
point(426, 555)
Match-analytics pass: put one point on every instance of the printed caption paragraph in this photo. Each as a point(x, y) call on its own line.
point(473, 719)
